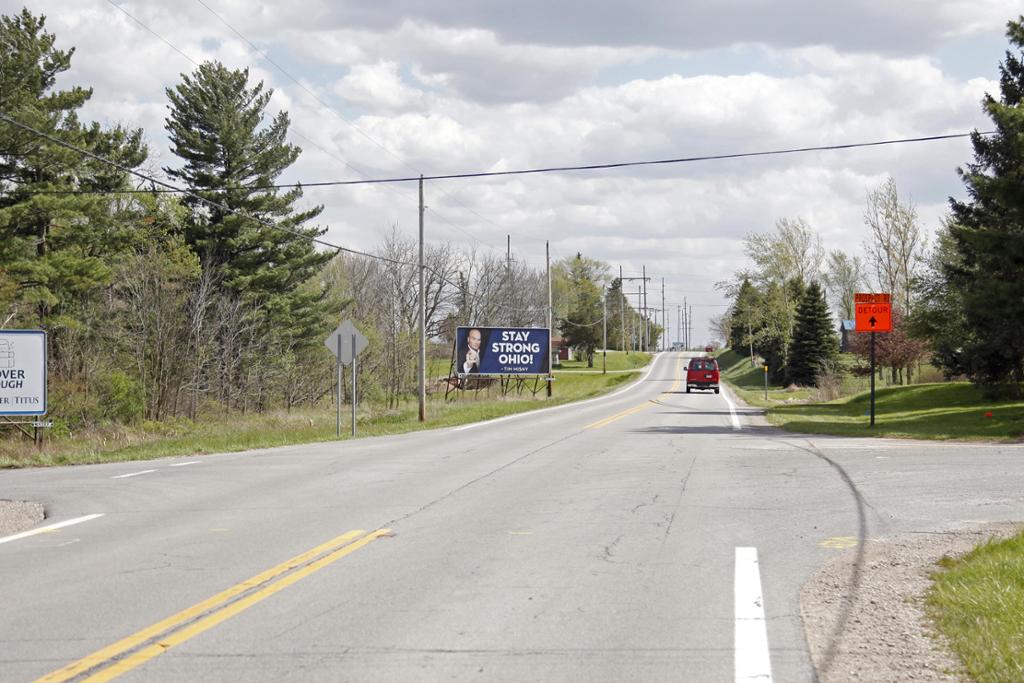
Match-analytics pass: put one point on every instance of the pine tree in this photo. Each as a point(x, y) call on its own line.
point(747, 315)
point(774, 341)
point(582, 327)
point(814, 338)
point(55, 249)
point(618, 317)
point(987, 233)
point(216, 126)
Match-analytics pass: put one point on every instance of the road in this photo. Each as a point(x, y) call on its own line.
point(634, 537)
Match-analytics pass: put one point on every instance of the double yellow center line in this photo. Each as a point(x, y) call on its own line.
point(643, 406)
point(137, 649)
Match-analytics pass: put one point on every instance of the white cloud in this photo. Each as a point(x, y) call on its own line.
point(378, 87)
point(473, 86)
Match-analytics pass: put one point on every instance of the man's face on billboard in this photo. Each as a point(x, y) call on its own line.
point(473, 339)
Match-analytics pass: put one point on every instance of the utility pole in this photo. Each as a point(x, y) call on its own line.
point(423, 322)
point(664, 320)
point(547, 261)
point(679, 326)
point(508, 277)
point(647, 331)
point(622, 311)
point(639, 318)
point(639, 302)
point(653, 328)
point(686, 330)
point(689, 319)
point(668, 332)
point(604, 345)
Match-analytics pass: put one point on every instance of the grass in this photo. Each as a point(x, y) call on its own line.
point(938, 410)
point(977, 602)
point(748, 381)
point(952, 410)
point(148, 440)
point(617, 362)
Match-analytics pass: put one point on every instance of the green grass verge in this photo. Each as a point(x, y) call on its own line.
point(978, 604)
point(617, 362)
point(747, 381)
point(242, 432)
point(943, 410)
point(953, 410)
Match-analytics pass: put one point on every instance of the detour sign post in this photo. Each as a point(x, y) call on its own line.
point(873, 312)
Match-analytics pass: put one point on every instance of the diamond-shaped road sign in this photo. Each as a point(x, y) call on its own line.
point(344, 333)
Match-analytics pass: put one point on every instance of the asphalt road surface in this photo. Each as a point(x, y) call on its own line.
point(651, 535)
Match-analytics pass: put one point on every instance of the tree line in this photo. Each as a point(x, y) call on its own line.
point(958, 302)
point(160, 305)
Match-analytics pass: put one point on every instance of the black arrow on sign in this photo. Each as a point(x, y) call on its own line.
point(872, 321)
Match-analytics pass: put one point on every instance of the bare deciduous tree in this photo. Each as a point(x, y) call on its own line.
point(895, 245)
point(843, 276)
point(793, 251)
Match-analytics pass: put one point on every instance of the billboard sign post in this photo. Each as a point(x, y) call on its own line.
point(873, 314)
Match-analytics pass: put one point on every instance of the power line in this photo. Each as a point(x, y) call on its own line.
point(157, 35)
point(589, 167)
point(223, 207)
point(297, 82)
point(339, 116)
point(296, 132)
point(190, 193)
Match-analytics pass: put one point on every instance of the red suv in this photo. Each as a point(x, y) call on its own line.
point(702, 374)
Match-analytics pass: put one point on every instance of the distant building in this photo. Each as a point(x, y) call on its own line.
point(846, 331)
point(560, 350)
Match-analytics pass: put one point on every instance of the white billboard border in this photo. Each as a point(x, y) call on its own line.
point(46, 382)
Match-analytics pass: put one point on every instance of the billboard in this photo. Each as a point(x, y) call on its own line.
point(22, 372)
point(502, 350)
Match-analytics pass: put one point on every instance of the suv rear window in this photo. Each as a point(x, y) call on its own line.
point(699, 364)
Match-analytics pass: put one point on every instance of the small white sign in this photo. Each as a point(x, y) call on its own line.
point(22, 372)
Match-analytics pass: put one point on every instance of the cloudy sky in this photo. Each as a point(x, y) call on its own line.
point(401, 87)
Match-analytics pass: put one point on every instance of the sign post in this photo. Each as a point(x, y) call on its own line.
point(340, 393)
point(872, 379)
point(765, 381)
point(873, 314)
point(354, 384)
point(345, 354)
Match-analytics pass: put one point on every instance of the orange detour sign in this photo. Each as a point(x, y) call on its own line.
point(873, 312)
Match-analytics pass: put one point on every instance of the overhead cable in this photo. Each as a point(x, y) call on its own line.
point(294, 131)
point(589, 167)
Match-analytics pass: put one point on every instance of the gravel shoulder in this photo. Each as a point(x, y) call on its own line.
point(863, 612)
point(19, 515)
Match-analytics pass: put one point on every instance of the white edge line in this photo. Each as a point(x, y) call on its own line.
point(732, 410)
point(752, 659)
point(132, 474)
point(574, 404)
point(50, 527)
point(183, 464)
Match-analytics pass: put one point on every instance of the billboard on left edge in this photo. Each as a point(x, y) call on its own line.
point(501, 350)
point(22, 372)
